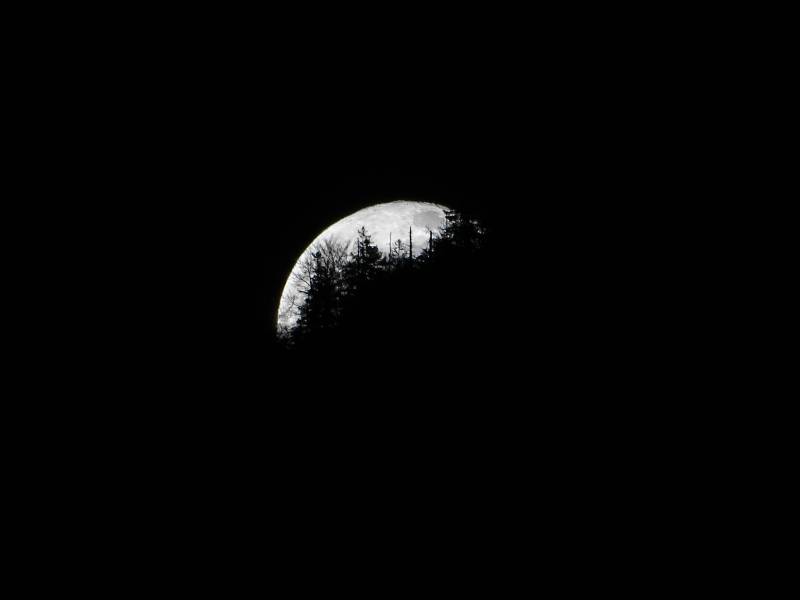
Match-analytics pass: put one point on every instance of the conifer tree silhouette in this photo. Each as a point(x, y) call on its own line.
point(365, 262)
point(321, 279)
point(355, 290)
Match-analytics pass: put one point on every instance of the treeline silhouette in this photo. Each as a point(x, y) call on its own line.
point(404, 307)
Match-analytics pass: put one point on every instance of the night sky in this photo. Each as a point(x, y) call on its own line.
point(554, 398)
point(244, 211)
point(226, 200)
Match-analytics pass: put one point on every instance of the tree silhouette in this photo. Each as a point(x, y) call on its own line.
point(320, 278)
point(365, 264)
point(355, 295)
point(398, 254)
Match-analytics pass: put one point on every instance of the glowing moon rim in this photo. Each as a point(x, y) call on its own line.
point(380, 220)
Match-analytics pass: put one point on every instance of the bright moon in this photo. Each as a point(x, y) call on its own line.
point(381, 221)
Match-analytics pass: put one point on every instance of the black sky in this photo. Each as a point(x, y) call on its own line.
point(236, 206)
point(212, 162)
point(223, 186)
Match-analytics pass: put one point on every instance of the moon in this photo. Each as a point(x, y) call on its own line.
point(381, 221)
